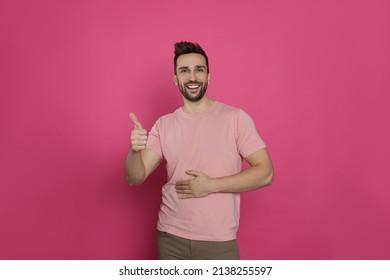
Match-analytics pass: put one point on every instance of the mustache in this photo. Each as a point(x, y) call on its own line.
point(193, 82)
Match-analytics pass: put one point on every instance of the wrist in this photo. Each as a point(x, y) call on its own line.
point(214, 185)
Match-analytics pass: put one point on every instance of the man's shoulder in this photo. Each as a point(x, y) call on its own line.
point(167, 118)
point(229, 109)
point(235, 113)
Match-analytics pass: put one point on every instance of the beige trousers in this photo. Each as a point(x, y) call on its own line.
point(172, 247)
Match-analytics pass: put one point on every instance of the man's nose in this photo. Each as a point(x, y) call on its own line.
point(192, 76)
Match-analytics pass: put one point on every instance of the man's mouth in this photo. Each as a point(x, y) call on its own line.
point(193, 86)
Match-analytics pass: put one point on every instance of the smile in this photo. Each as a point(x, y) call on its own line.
point(192, 86)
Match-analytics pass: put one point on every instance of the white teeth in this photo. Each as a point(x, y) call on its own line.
point(193, 86)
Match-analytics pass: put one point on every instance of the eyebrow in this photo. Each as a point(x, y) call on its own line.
point(196, 66)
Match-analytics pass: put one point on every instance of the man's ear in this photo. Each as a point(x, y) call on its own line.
point(208, 78)
point(175, 80)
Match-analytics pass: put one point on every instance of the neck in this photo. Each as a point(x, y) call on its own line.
point(197, 107)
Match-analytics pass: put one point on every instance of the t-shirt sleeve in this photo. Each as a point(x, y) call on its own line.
point(247, 138)
point(153, 143)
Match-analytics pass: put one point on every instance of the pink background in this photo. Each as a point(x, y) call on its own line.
point(314, 75)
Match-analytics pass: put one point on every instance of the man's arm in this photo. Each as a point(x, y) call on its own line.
point(139, 165)
point(260, 174)
point(140, 162)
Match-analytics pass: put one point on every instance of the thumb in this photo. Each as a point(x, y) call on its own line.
point(135, 120)
point(193, 173)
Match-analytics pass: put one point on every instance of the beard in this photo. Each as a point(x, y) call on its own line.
point(191, 97)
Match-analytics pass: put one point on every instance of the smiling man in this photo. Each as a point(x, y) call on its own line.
point(203, 143)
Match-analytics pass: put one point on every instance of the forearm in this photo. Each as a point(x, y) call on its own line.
point(135, 169)
point(252, 178)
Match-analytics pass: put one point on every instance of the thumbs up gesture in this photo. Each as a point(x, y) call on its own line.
point(139, 135)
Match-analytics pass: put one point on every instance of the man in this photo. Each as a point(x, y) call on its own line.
point(203, 143)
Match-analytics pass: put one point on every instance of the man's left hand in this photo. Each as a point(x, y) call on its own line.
point(199, 186)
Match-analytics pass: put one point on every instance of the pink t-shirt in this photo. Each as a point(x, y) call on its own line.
point(213, 142)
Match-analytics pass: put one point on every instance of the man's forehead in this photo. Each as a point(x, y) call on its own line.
point(191, 60)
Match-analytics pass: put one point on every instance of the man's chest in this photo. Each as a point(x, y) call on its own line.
point(194, 140)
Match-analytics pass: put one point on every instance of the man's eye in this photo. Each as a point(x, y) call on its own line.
point(200, 70)
point(183, 70)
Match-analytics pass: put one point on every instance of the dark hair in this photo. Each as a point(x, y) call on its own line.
point(186, 48)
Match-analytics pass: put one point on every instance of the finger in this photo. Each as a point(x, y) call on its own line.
point(185, 196)
point(183, 191)
point(138, 144)
point(139, 131)
point(138, 137)
point(135, 120)
point(193, 173)
point(182, 187)
point(138, 147)
point(182, 182)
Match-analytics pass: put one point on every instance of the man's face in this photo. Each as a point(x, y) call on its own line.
point(191, 76)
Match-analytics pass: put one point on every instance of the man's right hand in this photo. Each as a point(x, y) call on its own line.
point(139, 135)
